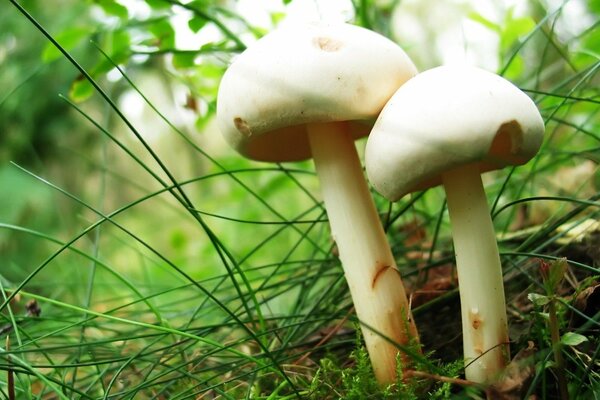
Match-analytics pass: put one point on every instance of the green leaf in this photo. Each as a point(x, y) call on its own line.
point(196, 23)
point(484, 21)
point(199, 4)
point(515, 69)
point(211, 71)
point(544, 315)
point(277, 17)
point(538, 299)
point(117, 44)
point(541, 366)
point(184, 60)
point(111, 7)
point(164, 33)
point(81, 89)
point(104, 65)
point(553, 273)
point(572, 339)
point(68, 39)
point(119, 41)
point(158, 4)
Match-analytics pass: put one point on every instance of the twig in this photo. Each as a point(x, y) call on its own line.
point(411, 373)
point(10, 376)
point(324, 339)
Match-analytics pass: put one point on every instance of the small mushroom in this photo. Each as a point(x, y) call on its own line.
point(448, 125)
point(309, 91)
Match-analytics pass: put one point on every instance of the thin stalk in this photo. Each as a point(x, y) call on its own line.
point(10, 379)
point(369, 266)
point(483, 306)
point(557, 350)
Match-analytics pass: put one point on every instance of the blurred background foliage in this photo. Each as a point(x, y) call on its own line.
point(160, 61)
point(175, 53)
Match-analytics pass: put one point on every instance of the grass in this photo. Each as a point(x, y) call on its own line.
point(220, 280)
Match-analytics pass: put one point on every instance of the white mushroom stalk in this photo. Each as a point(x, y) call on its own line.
point(483, 307)
point(448, 125)
point(309, 91)
point(369, 266)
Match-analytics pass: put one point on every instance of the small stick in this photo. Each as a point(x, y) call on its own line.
point(440, 378)
point(324, 340)
point(11, 378)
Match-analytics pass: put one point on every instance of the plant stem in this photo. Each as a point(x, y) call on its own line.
point(10, 379)
point(557, 349)
point(483, 307)
point(369, 266)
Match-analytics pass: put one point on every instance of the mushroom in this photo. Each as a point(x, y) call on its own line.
point(448, 125)
point(310, 90)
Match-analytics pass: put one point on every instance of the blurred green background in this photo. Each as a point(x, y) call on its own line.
point(175, 54)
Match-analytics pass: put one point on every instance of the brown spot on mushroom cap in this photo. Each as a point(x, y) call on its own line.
point(476, 118)
point(327, 44)
point(242, 126)
point(507, 143)
point(506, 149)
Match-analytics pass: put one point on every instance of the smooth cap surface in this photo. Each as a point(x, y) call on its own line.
point(448, 117)
point(305, 74)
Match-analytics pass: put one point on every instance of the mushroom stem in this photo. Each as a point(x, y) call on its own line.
point(375, 284)
point(483, 307)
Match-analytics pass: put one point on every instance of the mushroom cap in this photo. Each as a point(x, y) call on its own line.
point(302, 74)
point(448, 117)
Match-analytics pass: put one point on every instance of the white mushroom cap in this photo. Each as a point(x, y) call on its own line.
point(448, 117)
point(305, 74)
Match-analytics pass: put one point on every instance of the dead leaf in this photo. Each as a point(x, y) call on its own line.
point(191, 103)
point(33, 308)
point(588, 303)
point(438, 281)
point(516, 377)
point(414, 232)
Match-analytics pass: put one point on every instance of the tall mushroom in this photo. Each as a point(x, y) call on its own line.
point(448, 125)
point(308, 91)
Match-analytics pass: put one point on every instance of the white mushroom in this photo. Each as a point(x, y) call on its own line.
point(448, 125)
point(309, 91)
